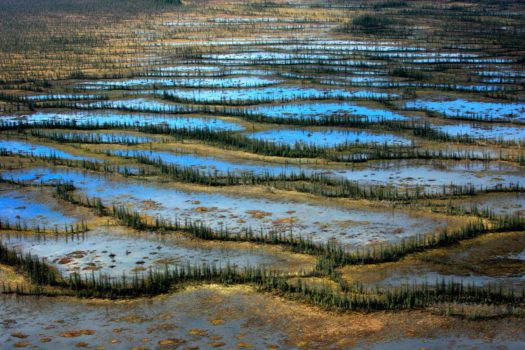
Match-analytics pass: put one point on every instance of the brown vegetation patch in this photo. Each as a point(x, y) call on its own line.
point(22, 344)
point(171, 342)
point(258, 214)
point(19, 335)
point(76, 333)
point(284, 221)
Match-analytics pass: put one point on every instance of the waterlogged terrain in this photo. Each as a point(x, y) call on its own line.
point(140, 323)
point(215, 316)
point(115, 120)
point(114, 251)
point(490, 132)
point(476, 263)
point(431, 176)
point(196, 82)
point(262, 175)
point(260, 95)
point(36, 150)
point(326, 138)
point(99, 137)
point(320, 110)
point(238, 213)
point(212, 166)
point(489, 111)
point(31, 209)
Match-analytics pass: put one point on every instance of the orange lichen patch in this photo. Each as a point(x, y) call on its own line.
point(217, 344)
point(171, 342)
point(77, 254)
point(202, 209)
point(45, 340)
point(301, 322)
point(82, 344)
point(76, 333)
point(216, 321)
point(19, 335)
point(258, 214)
point(244, 345)
point(283, 221)
point(64, 261)
point(198, 332)
point(22, 344)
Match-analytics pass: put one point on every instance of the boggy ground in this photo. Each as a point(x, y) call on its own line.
point(440, 83)
point(488, 259)
point(234, 317)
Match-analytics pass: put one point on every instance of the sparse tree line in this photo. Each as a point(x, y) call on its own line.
point(301, 181)
point(344, 152)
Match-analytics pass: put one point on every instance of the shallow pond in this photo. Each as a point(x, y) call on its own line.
point(451, 60)
point(114, 251)
point(473, 109)
point(100, 137)
point(59, 97)
point(213, 316)
point(136, 104)
point(212, 166)
point(252, 81)
point(430, 175)
point(206, 317)
point(344, 46)
point(190, 69)
point(501, 204)
point(319, 110)
point(447, 342)
point(31, 208)
point(316, 221)
point(483, 131)
point(432, 277)
point(269, 94)
point(262, 56)
point(108, 118)
point(326, 138)
point(33, 149)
